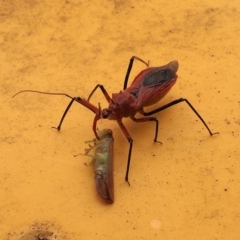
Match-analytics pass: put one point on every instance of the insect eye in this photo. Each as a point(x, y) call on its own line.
point(105, 113)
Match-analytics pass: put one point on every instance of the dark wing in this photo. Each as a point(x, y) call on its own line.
point(155, 83)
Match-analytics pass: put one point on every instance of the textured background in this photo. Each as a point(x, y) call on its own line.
point(187, 188)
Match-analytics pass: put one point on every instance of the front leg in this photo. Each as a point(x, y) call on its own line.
point(104, 91)
point(94, 127)
point(83, 102)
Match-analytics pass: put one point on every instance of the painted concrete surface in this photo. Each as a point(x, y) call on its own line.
point(186, 188)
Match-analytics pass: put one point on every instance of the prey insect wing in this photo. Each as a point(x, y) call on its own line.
point(102, 161)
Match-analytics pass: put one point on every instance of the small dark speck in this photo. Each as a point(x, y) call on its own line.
point(227, 121)
point(153, 155)
point(225, 189)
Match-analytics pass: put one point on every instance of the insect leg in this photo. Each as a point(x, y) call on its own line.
point(64, 115)
point(176, 102)
point(104, 91)
point(82, 101)
point(130, 140)
point(94, 127)
point(130, 68)
point(125, 81)
point(148, 119)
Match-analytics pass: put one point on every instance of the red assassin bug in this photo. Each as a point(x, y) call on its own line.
point(148, 87)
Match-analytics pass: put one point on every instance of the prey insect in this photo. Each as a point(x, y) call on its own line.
point(102, 161)
point(148, 87)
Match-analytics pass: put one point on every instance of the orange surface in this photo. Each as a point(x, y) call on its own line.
point(186, 188)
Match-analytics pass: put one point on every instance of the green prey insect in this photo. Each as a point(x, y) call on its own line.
point(103, 164)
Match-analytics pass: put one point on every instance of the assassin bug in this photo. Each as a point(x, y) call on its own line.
point(148, 87)
point(102, 161)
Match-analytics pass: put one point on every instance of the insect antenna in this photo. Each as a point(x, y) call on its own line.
point(48, 93)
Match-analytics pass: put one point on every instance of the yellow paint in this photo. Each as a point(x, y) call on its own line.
point(186, 188)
